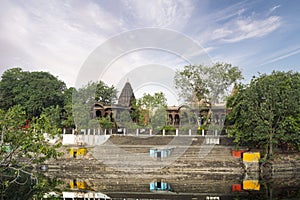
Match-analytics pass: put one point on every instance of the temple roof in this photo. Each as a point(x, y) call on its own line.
point(127, 96)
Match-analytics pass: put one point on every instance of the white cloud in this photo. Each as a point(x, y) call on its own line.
point(163, 13)
point(279, 55)
point(226, 13)
point(55, 37)
point(246, 28)
point(274, 8)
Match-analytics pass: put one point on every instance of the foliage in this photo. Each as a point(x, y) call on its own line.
point(266, 112)
point(146, 107)
point(106, 123)
point(125, 119)
point(21, 147)
point(34, 91)
point(188, 119)
point(28, 186)
point(105, 94)
point(168, 129)
point(84, 99)
point(95, 92)
point(94, 124)
point(206, 82)
point(158, 119)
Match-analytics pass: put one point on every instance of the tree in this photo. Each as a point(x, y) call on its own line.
point(84, 99)
point(206, 82)
point(159, 118)
point(266, 112)
point(21, 147)
point(67, 114)
point(147, 106)
point(34, 91)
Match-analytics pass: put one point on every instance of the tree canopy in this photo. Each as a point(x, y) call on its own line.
point(149, 107)
point(266, 113)
point(34, 91)
point(206, 82)
point(20, 146)
point(85, 97)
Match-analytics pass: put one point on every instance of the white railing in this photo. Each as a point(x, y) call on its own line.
point(99, 136)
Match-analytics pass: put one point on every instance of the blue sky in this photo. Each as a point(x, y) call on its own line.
point(58, 36)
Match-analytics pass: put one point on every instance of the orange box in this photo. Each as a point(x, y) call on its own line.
point(251, 185)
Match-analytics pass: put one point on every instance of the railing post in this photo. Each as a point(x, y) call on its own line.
point(83, 130)
point(150, 132)
point(202, 132)
point(190, 132)
point(137, 132)
point(177, 132)
point(164, 132)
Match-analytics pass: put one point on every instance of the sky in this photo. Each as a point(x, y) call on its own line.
point(59, 36)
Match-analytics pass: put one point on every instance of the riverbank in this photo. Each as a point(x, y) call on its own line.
point(185, 155)
point(123, 167)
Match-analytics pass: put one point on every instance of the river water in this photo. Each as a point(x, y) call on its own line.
point(179, 186)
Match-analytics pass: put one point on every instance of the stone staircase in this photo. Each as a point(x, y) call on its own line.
point(187, 156)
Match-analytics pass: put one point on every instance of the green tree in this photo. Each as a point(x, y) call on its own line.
point(106, 123)
point(21, 147)
point(266, 112)
point(95, 92)
point(125, 119)
point(34, 91)
point(147, 105)
point(159, 118)
point(84, 99)
point(67, 114)
point(206, 82)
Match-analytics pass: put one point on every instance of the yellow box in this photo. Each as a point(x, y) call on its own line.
point(72, 152)
point(78, 152)
point(81, 151)
point(251, 156)
point(81, 185)
point(251, 185)
point(78, 184)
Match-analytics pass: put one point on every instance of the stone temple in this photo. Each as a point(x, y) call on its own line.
point(176, 115)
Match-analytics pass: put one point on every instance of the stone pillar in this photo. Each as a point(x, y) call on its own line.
point(137, 132)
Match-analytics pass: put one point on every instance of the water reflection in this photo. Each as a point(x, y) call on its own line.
point(161, 185)
point(184, 186)
point(87, 195)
